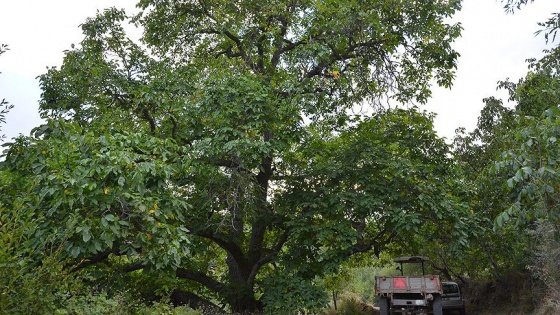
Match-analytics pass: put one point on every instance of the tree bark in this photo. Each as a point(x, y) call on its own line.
point(179, 297)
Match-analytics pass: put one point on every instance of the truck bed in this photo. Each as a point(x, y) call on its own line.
point(408, 284)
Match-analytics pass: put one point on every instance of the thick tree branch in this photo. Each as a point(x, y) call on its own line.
point(148, 117)
point(228, 53)
point(279, 43)
point(375, 243)
point(260, 222)
point(270, 257)
point(200, 278)
point(318, 69)
point(351, 53)
point(237, 42)
point(133, 267)
point(229, 246)
point(260, 51)
point(291, 45)
point(97, 258)
point(180, 297)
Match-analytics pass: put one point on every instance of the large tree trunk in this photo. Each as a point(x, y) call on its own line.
point(241, 296)
point(243, 301)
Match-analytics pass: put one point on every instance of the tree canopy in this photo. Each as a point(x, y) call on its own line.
point(228, 149)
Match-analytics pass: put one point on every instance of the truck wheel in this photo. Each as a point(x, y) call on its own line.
point(383, 306)
point(437, 305)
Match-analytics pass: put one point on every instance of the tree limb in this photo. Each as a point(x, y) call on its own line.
point(97, 258)
point(200, 278)
point(180, 297)
point(270, 257)
point(229, 246)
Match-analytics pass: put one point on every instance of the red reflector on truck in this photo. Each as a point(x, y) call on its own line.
point(399, 283)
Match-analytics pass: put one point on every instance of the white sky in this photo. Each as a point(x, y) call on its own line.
point(493, 47)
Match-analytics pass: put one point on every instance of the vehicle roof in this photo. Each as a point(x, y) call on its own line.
point(411, 259)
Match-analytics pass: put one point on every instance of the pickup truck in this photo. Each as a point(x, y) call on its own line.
point(409, 295)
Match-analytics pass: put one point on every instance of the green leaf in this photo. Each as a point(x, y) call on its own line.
point(510, 183)
point(75, 252)
point(86, 236)
point(527, 170)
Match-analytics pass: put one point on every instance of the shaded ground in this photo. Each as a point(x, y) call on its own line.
point(512, 295)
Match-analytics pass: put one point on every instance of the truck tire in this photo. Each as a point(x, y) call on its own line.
point(383, 306)
point(437, 305)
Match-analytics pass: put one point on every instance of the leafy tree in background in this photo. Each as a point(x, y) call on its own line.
point(224, 151)
point(487, 193)
point(533, 160)
point(491, 190)
point(533, 156)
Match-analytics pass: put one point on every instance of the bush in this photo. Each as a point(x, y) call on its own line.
point(32, 290)
point(93, 305)
point(101, 304)
point(351, 305)
point(32, 279)
point(546, 266)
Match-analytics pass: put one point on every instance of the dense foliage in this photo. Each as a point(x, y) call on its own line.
point(242, 156)
point(224, 153)
point(511, 163)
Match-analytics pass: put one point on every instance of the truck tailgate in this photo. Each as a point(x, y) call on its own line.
point(408, 284)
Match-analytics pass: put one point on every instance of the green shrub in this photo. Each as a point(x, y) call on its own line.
point(32, 289)
point(32, 279)
point(350, 305)
point(101, 304)
point(166, 309)
point(289, 294)
point(546, 266)
point(93, 305)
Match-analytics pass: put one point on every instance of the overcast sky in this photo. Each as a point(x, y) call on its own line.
point(493, 47)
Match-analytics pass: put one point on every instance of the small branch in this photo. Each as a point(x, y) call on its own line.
point(236, 40)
